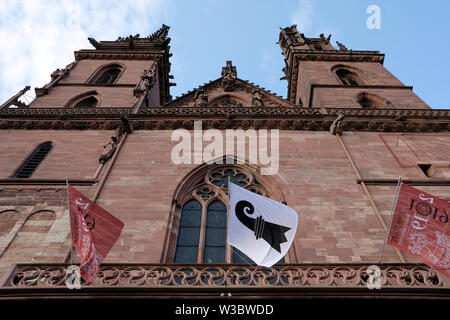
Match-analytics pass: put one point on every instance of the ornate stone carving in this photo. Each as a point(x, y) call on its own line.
point(286, 72)
point(160, 34)
point(336, 126)
point(94, 43)
point(290, 36)
point(330, 276)
point(219, 177)
point(229, 75)
point(226, 101)
point(55, 76)
point(257, 99)
point(125, 126)
point(341, 46)
point(115, 56)
point(146, 82)
point(109, 150)
point(200, 98)
point(423, 120)
point(129, 38)
point(14, 100)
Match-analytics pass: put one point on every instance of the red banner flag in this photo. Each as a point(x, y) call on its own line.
point(94, 232)
point(420, 228)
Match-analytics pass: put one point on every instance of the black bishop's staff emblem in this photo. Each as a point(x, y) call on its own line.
point(273, 234)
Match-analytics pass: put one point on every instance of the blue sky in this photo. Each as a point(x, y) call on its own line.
point(42, 35)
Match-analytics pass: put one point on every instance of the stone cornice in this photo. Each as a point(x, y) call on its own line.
point(285, 118)
point(117, 55)
point(334, 55)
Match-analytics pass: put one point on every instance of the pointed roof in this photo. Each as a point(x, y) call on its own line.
point(229, 90)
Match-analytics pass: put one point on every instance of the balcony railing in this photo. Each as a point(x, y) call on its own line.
point(230, 276)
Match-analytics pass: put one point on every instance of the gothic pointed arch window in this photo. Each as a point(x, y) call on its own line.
point(88, 99)
point(199, 222)
point(348, 76)
point(89, 102)
point(107, 74)
point(33, 160)
point(371, 101)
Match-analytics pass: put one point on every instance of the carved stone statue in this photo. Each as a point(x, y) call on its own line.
point(286, 72)
point(146, 82)
point(229, 75)
point(257, 99)
point(59, 74)
point(125, 126)
point(108, 150)
point(336, 128)
point(200, 98)
point(148, 79)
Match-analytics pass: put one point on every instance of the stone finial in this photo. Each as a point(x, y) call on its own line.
point(55, 76)
point(160, 34)
point(327, 39)
point(129, 38)
point(229, 75)
point(341, 46)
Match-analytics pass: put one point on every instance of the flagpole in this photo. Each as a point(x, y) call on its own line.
point(70, 219)
point(399, 183)
point(228, 225)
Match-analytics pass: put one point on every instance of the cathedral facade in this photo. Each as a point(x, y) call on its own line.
point(346, 132)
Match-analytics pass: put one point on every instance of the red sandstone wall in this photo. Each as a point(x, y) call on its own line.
point(74, 154)
point(336, 221)
point(319, 72)
point(109, 96)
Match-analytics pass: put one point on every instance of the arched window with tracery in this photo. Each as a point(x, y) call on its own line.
point(199, 225)
point(107, 74)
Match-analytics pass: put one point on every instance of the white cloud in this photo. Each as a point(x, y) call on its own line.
point(39, 36)
point(303, 16)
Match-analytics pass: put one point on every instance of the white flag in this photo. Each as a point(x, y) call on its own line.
point(261, 228)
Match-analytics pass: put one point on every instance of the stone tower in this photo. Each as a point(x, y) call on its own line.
point(318, 75)
point(130, 71)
